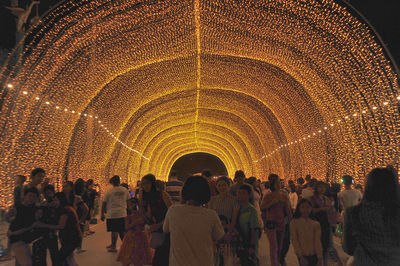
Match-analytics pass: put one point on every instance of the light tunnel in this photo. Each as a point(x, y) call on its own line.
point(129, 87)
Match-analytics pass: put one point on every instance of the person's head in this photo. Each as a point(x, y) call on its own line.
point(240, 177)
point(381, 186)
point(20, 179)
point(244, 193)
point(148, 183)
point(68, 187)
point(79, 187)
point(359, 187)
point(90, 183)
point(347, 180)
point(303, 208)
point(274, 182)
point(312, 183)
point(196, 190)
point(60, 200)
point(252, 181)
point(320, 188)
point(300, 181)
point(115, 180)
point(160, 185)
point(132, 205)
point(31, 196)
point(223, 184)
point(173, 176)
point(206, 173)
point(48, 192)
point(266, 185)
point(290, 182)
point(308, 178)
point(37, 176)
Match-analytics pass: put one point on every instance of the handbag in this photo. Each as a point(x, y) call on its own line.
point(157, 239)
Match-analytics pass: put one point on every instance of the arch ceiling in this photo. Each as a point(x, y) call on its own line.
point(128, 87)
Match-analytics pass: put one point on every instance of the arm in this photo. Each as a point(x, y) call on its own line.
point(20, 231)
point(166, 223)
point(60, 225)
point(167, 199)
point(84, 213)
point(235, 215)
point(294, 238)
point(288, 208)
point(103, 210)
point(131, 223)
point(267, 202)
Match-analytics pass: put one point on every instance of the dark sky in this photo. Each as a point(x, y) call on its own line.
point(384, 15)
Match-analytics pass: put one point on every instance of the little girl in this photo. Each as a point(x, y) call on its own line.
point(306, 235)
point(135, 247)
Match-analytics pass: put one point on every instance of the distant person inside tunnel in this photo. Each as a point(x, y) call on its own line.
point(174, 187)
point(372, 228)
point(114, 209)
point(193, 227)
point(211, 183)
point(349, 197)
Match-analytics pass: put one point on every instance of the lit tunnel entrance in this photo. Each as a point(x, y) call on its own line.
point(195, 163)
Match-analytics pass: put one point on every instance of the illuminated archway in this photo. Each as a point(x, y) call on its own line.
point(117, 87)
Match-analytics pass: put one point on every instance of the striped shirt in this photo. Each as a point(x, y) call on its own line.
point(224, 205)
point(173, 188)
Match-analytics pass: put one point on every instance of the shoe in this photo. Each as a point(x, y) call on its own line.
point(110, 246)
point(113, 249)
point(91, 232)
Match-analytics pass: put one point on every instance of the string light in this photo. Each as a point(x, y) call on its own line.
point(239, 80)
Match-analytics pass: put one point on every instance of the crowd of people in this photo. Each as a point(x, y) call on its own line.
point(205, 220)
point(42, 219)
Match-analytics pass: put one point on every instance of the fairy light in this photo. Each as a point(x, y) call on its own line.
point(241, 81)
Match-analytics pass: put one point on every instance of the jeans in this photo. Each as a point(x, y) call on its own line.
point(311, 260)
point(40, 247)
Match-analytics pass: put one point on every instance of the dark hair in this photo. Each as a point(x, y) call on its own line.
point(266, 185)
point(134, 202)
point(239, 173)
point(382, 186)
point(206, 173)
point(358, 186)
point(160, 185)
point(300, 181)
point(115, 180)
point(125, 185)
point(49, 187)
point(273, 179)
point(22, 177)
point(37, 171)
point(152, 179)
point(62, 198)
point(317, 184)
point(308, 178)
point(297, 213)
point(89, 182)
point(251, 180)
point(246, 187)
point(224, 179)
point(31, 190)
point(79, 187)
point(196, 188)
point(347, 180)
point(70, 183)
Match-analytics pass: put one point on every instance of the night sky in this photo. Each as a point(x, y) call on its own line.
point(384, 15)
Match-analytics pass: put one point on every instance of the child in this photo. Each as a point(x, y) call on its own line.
point(249, 228)
point(306, 235)
point(135, 247)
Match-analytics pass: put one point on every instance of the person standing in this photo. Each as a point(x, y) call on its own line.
point(372, 228)
point(306, 235)
point(239, 180)
point(156, 204)
point(275, 207)
point(37, 176)
point(114, 209)
point(208, 176)
point(193, 227)
point(174, 188)
point(20, 230)
point(349, 197)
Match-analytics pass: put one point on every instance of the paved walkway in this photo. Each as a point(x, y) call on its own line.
point(97, 255)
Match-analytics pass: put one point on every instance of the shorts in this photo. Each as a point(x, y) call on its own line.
point(116, 225)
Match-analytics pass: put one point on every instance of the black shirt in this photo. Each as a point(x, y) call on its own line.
point(25, 218)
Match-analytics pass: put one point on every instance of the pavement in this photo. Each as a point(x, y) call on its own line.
point(97, 255)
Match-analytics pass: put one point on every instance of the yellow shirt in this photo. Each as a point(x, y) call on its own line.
point(306, 237)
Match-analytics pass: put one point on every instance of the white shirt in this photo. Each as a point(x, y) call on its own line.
point(116, 198)
point(349, 198)
point(192, 230)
